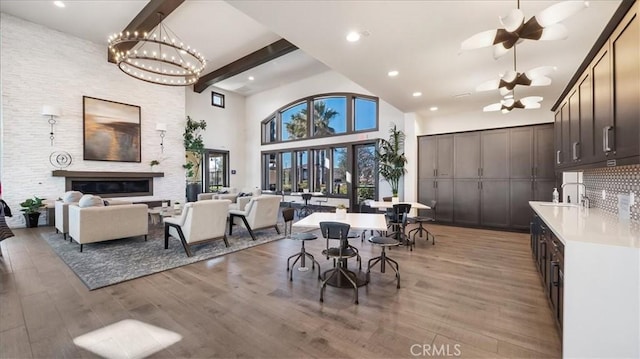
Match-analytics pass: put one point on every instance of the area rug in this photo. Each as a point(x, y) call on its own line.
point(106, 263)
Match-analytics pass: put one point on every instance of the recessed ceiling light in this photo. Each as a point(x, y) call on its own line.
point(433, 108)
point(251, 78)
point(393, 73)
point(59, 4)
point(353, 36)
point(417, 94)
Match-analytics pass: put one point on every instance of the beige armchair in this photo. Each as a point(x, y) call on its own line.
point(200, 222)
point(261, 212)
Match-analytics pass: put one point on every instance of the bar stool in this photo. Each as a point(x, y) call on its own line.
point(287, 216)
point(384, 242)
point(423, 219)
point(302, 255)
point(305, 210)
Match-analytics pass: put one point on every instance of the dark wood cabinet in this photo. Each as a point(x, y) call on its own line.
point(494, 203)
point(521, 153)
point(494, 163)
point(598, 118)
point(548, 255)
point(466, 155)
point(495, 174)
point(625, 51)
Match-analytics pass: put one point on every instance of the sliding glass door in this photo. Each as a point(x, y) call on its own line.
point(216, 164)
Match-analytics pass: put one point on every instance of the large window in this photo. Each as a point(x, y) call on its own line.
point(302, 170)
point(294, 122)
point(287, 174)
point(339, 175)
point(321, 116)
point(322, 167)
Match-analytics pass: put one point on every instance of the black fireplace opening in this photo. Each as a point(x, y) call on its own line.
point(113, 187)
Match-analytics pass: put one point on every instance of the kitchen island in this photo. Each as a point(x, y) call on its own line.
point(590, 265)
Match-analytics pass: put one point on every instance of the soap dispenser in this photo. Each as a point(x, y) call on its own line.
point(556, 195)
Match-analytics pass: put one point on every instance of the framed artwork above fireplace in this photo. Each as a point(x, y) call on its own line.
point(111, 131)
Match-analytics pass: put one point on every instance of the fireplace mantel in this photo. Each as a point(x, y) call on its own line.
point(91, 174)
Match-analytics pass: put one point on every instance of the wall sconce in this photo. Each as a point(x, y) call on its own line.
point(52, 112)
point(162, 128)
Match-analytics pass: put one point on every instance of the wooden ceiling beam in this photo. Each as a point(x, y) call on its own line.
point(256, 58)
point(147, 19)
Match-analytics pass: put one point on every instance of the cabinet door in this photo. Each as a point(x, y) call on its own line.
point(427, 151)
point(495, 154)
point(586, 120)
point(494, 203)
point(602, 110)
point(466, 202)
point(565, 155)
point(543, 152)
point(444, 189)
point(466, 154)
point(543, 189)
point(557, 140)
point(625, 48)
point(444, 155)
point(427, 190)
point(574, 127)
point(520, 152)
point(520, 193)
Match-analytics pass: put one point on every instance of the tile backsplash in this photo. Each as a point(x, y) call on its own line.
point(613, 180)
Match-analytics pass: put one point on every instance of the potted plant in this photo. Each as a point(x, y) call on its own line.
point(391, 159)
point(31, 208)
point(341, 211)
point(194, 149)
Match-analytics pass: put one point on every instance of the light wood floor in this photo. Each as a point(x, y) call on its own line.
point(475, 288)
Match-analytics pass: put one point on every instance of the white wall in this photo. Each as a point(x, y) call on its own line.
point(225, 127)
point(40, 67)
point(470, 121)
point(261, 105)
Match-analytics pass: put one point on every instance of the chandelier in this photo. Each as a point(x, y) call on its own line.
point(158, 56)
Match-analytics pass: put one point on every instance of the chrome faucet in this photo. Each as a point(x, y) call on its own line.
point(584, 200)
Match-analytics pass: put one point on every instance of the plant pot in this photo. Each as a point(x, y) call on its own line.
point(395, 199)
point(341, 213)
point(193, 190)
point(31, 219)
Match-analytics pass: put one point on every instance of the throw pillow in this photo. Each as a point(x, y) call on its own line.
point(71, 196)
point(223, 191)
point(89, 200)
point(248, 194)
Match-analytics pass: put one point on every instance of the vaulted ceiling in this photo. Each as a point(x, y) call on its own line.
point(420, 39)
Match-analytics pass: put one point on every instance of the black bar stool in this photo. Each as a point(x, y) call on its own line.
point(384, 242)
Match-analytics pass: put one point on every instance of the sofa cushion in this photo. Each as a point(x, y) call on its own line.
point(71, 196)
point(89, 200)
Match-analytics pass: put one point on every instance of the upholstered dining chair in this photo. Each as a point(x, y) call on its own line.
point(333, 231)
point(261, 212)
point(200, 222)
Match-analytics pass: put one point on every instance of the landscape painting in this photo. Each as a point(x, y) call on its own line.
point(111, 131)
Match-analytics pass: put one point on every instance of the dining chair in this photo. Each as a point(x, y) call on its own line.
point(333, 231)
point(398, 223)
point(430, 217)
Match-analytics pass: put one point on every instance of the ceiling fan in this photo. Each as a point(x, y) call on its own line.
point(544, 26)
point(534, 77)
point(505, 106)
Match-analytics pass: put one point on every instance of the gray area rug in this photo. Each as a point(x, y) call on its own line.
point(105, 263)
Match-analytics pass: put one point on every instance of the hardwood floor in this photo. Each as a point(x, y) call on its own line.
point(475, 290)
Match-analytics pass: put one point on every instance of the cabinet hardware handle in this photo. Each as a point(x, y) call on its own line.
point(605, 138)
point(575, 151)
point(554, 282)
point(482, 172)
point(434, 172)
point(436, 184)
point(558, 156)
point(532, 173)
point(478, 172)
point(480, 185)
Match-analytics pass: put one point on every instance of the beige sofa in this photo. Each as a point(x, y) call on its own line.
point(104, 223)
point(231, 194)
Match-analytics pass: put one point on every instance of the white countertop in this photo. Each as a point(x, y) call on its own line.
point(588, 225)
point(362, 221)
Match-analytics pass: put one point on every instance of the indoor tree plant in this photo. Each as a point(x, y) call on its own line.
point(31, 211)
point(194, 149)
point(391, 159)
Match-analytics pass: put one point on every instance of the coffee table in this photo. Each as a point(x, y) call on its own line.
point(157, 213)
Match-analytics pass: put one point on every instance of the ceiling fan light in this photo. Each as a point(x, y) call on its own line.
point(499, 50)
point(554, 32)
point(505, 91)
point(513, 21)
point(540, 71)
point(492, 107)
point(505, 111)
point(560, 11)
point(541, 81)
point(479, 40)
point(509, 76)
point(488, 85)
